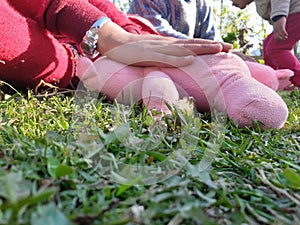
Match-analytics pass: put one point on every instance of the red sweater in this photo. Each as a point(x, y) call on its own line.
point(29, 52)
point(72, 17)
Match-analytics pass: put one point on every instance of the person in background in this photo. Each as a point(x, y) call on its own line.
point(284, 15)
point(181, 19)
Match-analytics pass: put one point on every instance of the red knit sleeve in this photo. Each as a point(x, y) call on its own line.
point(73, 17)
point(69, 17)
point(34, 9)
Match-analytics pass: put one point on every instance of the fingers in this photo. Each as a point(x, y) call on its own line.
point(164, 53)
point(163, 60)
point(284, 35)
point(185, 49)
point(149, 53)
point(152, 59)
point(204, 48)
point(225, 47)
point(281, 36)
point(173, 49)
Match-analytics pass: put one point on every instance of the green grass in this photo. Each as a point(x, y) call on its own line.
point(68, 163)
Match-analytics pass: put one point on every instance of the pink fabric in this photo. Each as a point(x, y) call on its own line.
point(278, 55)
point(274, 79)
point(221, 81)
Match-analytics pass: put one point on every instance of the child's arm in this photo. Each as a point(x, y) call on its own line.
point(279, 12)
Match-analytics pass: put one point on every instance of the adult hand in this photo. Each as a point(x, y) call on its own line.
point(153, 50)
point(280, 33)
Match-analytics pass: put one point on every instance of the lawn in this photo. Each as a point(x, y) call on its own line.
point(67, 158)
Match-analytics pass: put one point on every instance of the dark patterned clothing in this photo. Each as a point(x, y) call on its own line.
point(178, 18)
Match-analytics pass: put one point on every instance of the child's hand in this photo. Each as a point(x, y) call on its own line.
point(280, 33)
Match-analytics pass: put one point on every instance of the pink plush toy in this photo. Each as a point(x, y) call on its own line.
point(275, 79)
point(219, 81)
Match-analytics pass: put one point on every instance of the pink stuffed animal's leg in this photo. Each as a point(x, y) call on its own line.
point(223, 81)
point(274, 79)
point(246, 99)
point(158, 89)
point(128, 84)
point(115, 80)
